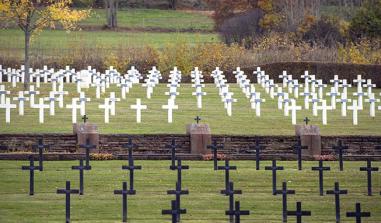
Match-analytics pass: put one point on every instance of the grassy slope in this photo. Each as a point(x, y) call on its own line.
point(154, 120)
point(203, 204)
point(12, 39)
point(153, 18)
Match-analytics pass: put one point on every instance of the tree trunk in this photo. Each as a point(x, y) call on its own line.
point(26, 59)
point(111, 7)
point(172, 4)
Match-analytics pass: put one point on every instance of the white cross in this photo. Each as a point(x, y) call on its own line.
point(74, 106)
point(335, 81)
point(321, 87)
point(258, 102)
point(107, 107)
point(170, 107)
point(61, 94)
point(199, 95)
point(293, 109)
point(82, 102)
point(355, 109)
point(369, 85)
point(21, 100)
point(51, 100)
point(333, 93)
point(372, 101)
point(306, 77)
point(280, 95)
point(7, 106)
point(360, 96)
point(41, 106)
point(113, 101)
point(324, 108)
point(32, 93)
point(343, 100)
point(306, 99)
point(139, 107)
point(315, 100)
point(284, 78)
point(345, 87)
point(3, 93)
point(286, 102)
point(359, 82)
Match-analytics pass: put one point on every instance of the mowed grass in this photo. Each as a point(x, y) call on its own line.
point(58, 42)
point(154, 18)
point(154, 119)
point(204, 202)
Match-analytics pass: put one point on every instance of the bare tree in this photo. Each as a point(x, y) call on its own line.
point(111, 7)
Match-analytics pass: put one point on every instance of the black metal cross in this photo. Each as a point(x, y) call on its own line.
point(299, 213)
point(230, 192)
point(337, 192)
point(339, 149)
point(174, 212)
point(173, 147)
point(88, 146)
point(178, 192)
point(31, 169)
point(40, 146)
point(321, 170)
point(214, 147)
point(227, 169)
point(131, 167)
point(81, 168)
point(369, 170)
point(274, 168)
point(258, 147)
point(197, 119)
point(237, 212)
point(284, 193)
point(358, 214)
point(179, 168)
point(298, 148)
point(130, 146)
point(124, 193)
point(67, 191)
point(85, 118)
point(306, 120)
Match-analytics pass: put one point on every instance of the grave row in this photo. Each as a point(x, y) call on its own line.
point(234, 210)
point(287, 93)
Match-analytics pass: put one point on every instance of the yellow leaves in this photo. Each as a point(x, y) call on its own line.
point(36, 15)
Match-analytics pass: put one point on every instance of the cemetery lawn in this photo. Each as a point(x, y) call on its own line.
point(203, 204)
point(153, 19)
point(154, 119)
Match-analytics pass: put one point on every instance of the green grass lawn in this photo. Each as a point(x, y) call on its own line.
point(154, 120)
point(204, 202)
point(58, 42)
point(154, 18)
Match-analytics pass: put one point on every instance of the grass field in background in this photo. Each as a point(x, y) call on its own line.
point(154, 18)
point(204, 202)
point(154, 119)
point(57, 41)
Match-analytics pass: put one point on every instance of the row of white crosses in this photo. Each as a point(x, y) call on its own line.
point(197, 82)
point(173, 82)
point(249, 90)
point(151, 81)
point(223, 90)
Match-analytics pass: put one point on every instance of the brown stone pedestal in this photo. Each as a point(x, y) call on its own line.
point(86, 131)
point(309, 136)
point(200, 138)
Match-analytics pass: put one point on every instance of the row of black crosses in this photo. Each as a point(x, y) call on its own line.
point(176, 209)
point(234, 208)
point(68, 191)
point(229, 188)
